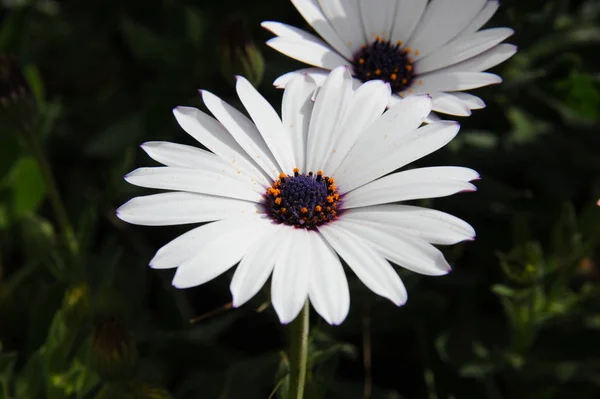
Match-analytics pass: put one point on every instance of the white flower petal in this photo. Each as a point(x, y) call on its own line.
point(432, 118)
point(168, 209)
point(368, 103)
point(344, 16)
point(187, 245)
point(433, 182)
point(317, 74)
point(194, 180)
point(443, 21)
point(398, 150)
point(428, 224)
point(268, 123)
point(370, 267)
point(462, 49)
point(471, 101)
point(404, 117)
point(296, 110)
point(404, 250)
point(243, 131)
point(328, 288)
point(486, 13)
point(255, 268)
point(453, 81)
point(184, 156)
point(449, 104)
point(330, 105)
point(320, 55)
point(211, 134)
point(291, 276)
point(486, 60)
point(220, 252)
point(378, 17)
point(408, 15)
point(310, 10)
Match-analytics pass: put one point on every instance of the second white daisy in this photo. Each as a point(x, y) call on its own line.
point(285, 196)
point(418, 47)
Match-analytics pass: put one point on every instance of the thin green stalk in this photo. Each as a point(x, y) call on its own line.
point(53, 193)
point(299, 353)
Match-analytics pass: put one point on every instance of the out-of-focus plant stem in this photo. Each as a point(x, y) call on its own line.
point(53, 194)
point(299, 353)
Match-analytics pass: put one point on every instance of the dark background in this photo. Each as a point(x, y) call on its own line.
point(82, 316)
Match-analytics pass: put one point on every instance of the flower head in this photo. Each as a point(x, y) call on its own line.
point(418, 47)
point(289, 196)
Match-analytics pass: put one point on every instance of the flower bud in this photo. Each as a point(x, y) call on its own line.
point(238, 54)
point(113, 351)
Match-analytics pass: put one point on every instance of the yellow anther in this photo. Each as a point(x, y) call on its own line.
point(320, 173)
point(361, 60)
point(409, 67)
point(278, 201)
point(393, 76)
point(296, 170)
point(330, 199)
point(408, 50)
point(404, 81)
point(318, 208)
point(283, 210)
point(282, 175)
point(304, 210)
point(378, 72)
point(399, 42)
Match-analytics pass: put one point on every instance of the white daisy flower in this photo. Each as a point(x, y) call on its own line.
point(418, 47)
point(287, 196)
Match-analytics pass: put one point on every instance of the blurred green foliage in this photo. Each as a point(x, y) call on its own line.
point(81, 315)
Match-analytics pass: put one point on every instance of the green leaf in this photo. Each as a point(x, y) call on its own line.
point(27, 187)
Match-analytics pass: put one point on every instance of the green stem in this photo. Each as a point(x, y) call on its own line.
point(299, 353)
point(53, 193)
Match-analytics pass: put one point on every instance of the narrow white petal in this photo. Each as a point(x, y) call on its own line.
point(244, 132)
point(182, 208)
point(408, 251)
point(184, 156)
point(399, 150)
point(194, 180)
point(449, 104)
point(328, 289)
point(378, 17)
point(210, 133)
point(296, 109)
point(486, 13)
point(368, 265)
point(319, 55)
point(393, 125)
point(187, 245)
point(291, 277)
point(471, 101)
point(330, 105)
point(218, 254)
point(462, 49)
point(408, 15)
point(310, 10)
point(428, 224)
point(412, 184)
point(443, 21)
point(317, 74)
point(290, 32)
point(368, 103)
point(432, 118)
point(256, 266)
point(484, 61)
point(344, 16)
point(268, 123)
point(453, 81)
